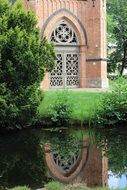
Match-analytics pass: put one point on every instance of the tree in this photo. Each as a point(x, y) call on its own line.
point(117, 33)
point(24, 59)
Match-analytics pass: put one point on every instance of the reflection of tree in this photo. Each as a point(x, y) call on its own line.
point(66, 145)
point(66, 142)
point(114, 142)
point(21, 160)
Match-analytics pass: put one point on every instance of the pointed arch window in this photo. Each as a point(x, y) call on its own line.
point(66, 72)
point(63, 33)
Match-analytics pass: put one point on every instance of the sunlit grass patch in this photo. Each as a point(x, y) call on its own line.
point(84, 104)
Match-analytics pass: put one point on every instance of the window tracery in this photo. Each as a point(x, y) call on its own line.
point(63, 34)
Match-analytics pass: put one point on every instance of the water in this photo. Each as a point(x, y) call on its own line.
point(116, 152)
point(92, 157)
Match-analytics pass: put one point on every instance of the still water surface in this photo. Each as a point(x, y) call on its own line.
point(95, 157)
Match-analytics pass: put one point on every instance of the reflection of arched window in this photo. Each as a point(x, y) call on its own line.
point(66, 158)
point(64, 163)
point(63, 34)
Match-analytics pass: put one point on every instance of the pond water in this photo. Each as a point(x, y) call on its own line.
point(92, 157)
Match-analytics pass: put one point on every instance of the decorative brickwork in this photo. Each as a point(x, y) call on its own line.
point(88, 20)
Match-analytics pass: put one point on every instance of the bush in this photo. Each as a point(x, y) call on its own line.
point(60, 111)
point(24, 57)
point(113, 107)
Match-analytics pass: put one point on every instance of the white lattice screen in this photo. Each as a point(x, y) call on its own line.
point(66, 72)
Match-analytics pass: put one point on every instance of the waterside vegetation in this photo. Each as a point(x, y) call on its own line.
point(59, 108)
point(57, 186)
point(79, 107)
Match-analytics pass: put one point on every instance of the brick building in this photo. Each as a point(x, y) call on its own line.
point(78, 29)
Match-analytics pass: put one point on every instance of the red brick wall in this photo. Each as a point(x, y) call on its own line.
point(93, 67)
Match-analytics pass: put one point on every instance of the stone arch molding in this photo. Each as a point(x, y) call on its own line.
point(67, 15)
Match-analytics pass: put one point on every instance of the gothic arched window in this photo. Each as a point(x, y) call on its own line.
point(63, 34)
point(66, 72)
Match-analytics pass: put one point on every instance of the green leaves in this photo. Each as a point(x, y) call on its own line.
point(60, 111)
point(4, 7)
point(113, 107)
point(24, 59)
point(117, 32)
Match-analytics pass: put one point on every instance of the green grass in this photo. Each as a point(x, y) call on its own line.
point(84, 104)
point(53, 184)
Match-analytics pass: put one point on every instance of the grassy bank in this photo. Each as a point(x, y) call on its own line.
point(57, 187)
point(84, 104)
point(80, 107)
point(79, 186)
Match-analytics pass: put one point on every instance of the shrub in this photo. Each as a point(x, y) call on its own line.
point(24, 57)
point(60, 111)
point(113, 107)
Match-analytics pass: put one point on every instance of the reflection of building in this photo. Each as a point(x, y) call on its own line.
point(95, 173)
point(78, 29)
point(90, 167)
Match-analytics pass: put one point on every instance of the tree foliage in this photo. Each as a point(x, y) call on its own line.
point(117, 34)
point(24, 59)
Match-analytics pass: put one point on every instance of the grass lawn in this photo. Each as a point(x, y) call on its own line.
point(54, 185)
point(84, 104)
